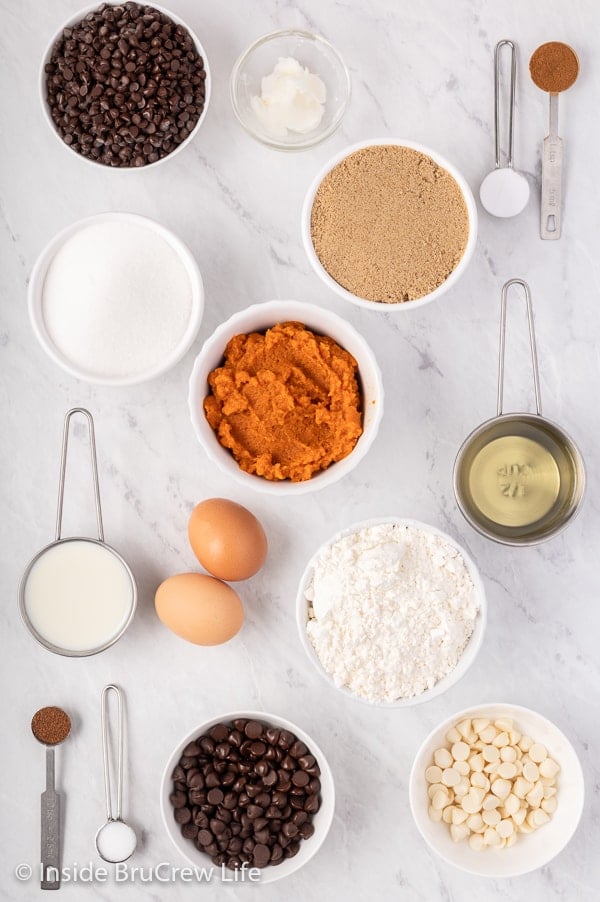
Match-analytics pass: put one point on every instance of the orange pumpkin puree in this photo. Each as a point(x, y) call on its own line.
point(286, 402)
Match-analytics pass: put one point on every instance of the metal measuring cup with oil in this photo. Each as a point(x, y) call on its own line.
point(519, 479)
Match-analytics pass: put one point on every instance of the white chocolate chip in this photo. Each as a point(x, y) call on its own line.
point(459, 832)
point(505, 828)
point(459, 815)
point(475, 823)
point(490, 837)
point(491, 783)
point(531, 772)
point(480, 780)
point(501, 788)
point(462, 787)
point(491, 801)
point(435, 814)
point(447, 814)
point(477, 763)
point(507, 770)
point(548, 768)
point(491, 818)
point(433, 774)
point(521, 787)
point(511, 804)
point(490, 754)
point(442, 758)
point(450, 777)
point(504, 723)
point(460, 751)
point(476, 841)
point(535, 796)
point(480, 723)
point(537, 818)
point(440, 800)
point(488, 734)
point(538, 752)
point(471, 804)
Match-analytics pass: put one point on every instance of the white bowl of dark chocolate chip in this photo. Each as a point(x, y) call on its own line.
point(250, 795)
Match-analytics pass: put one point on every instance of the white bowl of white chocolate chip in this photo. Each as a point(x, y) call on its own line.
point(497, 790)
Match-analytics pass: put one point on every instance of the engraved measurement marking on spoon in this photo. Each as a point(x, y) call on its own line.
point(513, 479)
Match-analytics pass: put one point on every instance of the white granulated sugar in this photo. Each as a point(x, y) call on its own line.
point(117, 299)
point(391, 608)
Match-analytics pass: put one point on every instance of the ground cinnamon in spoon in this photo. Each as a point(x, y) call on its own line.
point(554, 67)
point(50, 725)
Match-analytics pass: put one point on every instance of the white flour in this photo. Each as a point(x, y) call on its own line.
point(391, 609)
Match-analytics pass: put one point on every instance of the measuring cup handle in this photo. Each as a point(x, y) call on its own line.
point(63, 469)
point(534, 360)
point(511, 107)
point(112, 815)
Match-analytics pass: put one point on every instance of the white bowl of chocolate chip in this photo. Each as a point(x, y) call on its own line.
point(497, 790)
point(249, 795)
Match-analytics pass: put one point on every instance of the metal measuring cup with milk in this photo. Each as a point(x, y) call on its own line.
point(77, 595)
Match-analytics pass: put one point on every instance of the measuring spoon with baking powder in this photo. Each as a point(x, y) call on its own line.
point(50, 726)
point(115, 840)
point(504, 192)
point(547, 74)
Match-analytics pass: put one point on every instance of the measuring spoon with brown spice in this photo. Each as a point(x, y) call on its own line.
point(554, 67)
point(50, 726)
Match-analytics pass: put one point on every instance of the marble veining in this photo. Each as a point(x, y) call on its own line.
point(420, 71)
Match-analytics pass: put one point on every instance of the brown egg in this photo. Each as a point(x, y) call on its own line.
point(199, 608)
point(227, 539)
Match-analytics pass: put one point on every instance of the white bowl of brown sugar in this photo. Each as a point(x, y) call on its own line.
point(389, 224)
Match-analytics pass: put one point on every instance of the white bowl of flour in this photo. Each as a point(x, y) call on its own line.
point(116, 299)
point(391, 611)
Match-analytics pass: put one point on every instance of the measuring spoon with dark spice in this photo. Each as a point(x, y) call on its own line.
point(554, 67)
point(50, 726)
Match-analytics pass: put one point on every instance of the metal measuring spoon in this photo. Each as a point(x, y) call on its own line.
point(50, 799)
point(548, 78)
point(115, 840)
point(504, 192)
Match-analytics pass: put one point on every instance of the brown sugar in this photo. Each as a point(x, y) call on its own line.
point(389, 224)
point(51, 725)
point(285, 402)
point(554, 67)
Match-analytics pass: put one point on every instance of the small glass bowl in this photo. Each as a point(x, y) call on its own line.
point(314, 53)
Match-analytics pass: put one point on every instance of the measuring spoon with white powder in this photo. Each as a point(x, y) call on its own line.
point(504, 192)
point(77, 596)
point(115, 840)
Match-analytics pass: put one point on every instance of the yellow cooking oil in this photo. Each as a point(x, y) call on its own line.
point(518, 475)
point(514, 481)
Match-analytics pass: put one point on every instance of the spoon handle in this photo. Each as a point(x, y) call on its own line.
point(50, 829)
point(552, 159)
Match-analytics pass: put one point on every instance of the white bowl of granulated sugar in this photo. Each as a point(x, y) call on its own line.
point(116, 299)
point(391, 611)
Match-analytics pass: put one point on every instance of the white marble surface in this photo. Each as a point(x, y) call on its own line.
point(421, 71)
